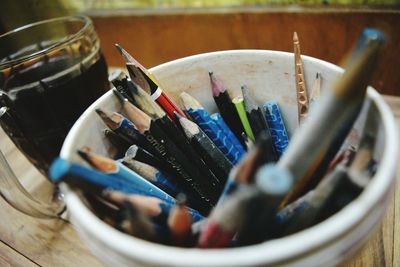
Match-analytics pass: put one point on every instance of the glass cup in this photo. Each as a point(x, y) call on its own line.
point(50, 72)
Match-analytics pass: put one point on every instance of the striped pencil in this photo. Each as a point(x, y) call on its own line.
point(276, 126)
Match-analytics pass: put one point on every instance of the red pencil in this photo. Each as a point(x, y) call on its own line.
point(156, 92)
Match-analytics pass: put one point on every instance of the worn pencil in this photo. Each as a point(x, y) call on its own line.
point(210, 128)
point(157, 93)
point(301, 88)
point(238, 102)
point(315, 144)
point(210, 153)
point(257, 121)
point(277, 127)
point(225, 106)
point(120, 142)
point(139, 154)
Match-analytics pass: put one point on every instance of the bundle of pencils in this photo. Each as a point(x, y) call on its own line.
point(184, 178)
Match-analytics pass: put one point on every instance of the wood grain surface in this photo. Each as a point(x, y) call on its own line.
point(25, 241)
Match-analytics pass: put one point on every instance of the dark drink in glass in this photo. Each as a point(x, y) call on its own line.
point(50, 72)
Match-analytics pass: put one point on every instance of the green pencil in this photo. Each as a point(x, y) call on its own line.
point(239, 105)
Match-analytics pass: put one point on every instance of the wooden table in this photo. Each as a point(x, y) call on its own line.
point(25, 241)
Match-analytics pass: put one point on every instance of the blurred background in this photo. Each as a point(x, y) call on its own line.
point(156, 31)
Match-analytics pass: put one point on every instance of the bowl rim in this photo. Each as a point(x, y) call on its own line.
point(279, 250)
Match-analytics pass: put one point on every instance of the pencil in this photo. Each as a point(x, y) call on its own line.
point(181, 166)
point(301, 88)
point(316, 143)
point(277, 127)
point(257, 121)
point(225, 107)
point(180, 223)
point(210, 128)
point(122, 126)
point(121, 86)
point(212, 156)
point(120, 142)
point(119, 171)
point(153, 207)
point(248, 142)
point(239, 105)
point(315, 90)
point(225, 128)
point(157, 93)
point(139, 154)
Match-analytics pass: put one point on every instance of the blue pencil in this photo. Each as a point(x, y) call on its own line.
point(122, 179)
point(276, 125)
point(210, 128)
point(228, 132)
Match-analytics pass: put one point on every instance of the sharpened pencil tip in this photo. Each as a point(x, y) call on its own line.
point(121, 97)
point(295, 37)
point(217, 86)
point(84, 155)
point(210, 73)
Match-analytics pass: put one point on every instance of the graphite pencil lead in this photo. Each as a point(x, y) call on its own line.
point(249, 103)
point(107, 119)
point(98, 162)
point(217, 86)
point(139, 78)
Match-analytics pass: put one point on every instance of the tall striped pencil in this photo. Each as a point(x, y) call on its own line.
point(301, 88)
point(225, 106)
point(210, 128)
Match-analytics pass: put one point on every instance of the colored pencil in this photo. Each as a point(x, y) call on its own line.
point(301, 88)
point(239, 105)
point(210, 128)
point(225, 128)
point(181, 166)
point(277, 127)
point(211, 155)
point(316, 143)
point(157, 93)
point(225, 106)
point(119, 171)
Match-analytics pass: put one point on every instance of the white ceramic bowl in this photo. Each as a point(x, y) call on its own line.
point(271, 75)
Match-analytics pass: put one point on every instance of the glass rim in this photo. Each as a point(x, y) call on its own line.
point(87, 22)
